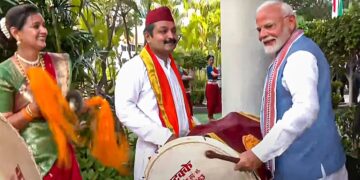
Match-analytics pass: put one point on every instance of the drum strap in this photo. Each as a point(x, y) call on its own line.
point(161, 88)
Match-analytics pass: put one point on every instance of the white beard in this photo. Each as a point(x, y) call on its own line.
point(279, 42)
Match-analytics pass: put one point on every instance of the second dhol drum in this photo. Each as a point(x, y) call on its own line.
point(16, 161)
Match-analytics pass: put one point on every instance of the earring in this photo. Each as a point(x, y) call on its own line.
point(18, 41)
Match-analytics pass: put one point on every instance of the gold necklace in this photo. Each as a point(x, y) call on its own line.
point(22, 68)
point(23, 89)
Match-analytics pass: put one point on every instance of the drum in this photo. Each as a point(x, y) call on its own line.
point(184, 159)
point(16, 161)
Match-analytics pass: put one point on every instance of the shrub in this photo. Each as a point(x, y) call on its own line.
point(197, 96)
point(347, 120)
point(336, 96)
point(91, 169)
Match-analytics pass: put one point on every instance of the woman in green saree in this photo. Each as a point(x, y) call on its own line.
point(24, 28)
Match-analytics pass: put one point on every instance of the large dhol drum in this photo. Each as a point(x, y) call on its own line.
point(184, 159)
point(16, 161)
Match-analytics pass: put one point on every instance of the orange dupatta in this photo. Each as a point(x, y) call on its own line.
point(104, 143)
point(161, 88)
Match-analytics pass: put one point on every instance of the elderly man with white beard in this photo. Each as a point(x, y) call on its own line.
point(300, 138)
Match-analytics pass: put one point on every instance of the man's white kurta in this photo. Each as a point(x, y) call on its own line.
point(300, 78)
point(136, 107)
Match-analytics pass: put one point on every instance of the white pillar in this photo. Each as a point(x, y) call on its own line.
point(244, 63)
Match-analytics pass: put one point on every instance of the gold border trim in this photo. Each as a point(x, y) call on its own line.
point(154, 81)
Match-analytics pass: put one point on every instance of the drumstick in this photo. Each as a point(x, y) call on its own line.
point(211, 155)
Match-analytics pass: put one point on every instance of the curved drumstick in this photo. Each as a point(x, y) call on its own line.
point(211, 155)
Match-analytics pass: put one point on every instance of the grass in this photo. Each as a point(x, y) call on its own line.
point(203, 118)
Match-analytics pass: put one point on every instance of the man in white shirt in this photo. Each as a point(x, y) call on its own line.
point(150, 98)
point(297, 121)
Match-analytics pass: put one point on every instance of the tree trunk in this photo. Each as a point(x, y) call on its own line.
point(103, 80)
point(350, 78)
point(56, 32)
point(136, 37)
point(123, 15)
point(148, 6)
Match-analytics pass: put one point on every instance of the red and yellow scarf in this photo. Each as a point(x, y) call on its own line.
point(162, 90)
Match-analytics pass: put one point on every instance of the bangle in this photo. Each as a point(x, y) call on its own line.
point(28, 113)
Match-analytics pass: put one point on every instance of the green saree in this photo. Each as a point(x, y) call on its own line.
point(37, 134)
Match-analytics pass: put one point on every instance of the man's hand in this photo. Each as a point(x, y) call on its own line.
point(248, 161)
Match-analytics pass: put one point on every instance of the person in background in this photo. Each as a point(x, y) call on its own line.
point(212, 90)
point(300, 137)
point(186, 78)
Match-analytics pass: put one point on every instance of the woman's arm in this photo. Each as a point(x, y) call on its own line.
point(210, 70)
point(214, 74)
point(20, 119)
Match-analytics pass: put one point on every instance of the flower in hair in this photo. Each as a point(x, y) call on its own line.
point(3, 28)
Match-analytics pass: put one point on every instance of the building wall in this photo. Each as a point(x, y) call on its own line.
point(244, 63)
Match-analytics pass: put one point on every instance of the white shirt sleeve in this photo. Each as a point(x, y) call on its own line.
point(300, 78)
point(129, 86)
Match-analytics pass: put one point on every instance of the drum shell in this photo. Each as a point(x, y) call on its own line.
point(184, 158)
point(16, 160)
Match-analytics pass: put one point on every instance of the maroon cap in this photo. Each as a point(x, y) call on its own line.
point(158, 14)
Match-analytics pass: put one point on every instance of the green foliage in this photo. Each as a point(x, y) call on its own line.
point(345, 119)
point(338, 38)
point(194, 59)
point(197, 96)
point(203, 32)
point(198, 90)
point(5, 5)
point(199, 82)
point(310, 9)
point(91, 169)
point(336, 97)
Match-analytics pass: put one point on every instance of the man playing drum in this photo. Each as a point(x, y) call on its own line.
point(297, 121)
point(150, 98)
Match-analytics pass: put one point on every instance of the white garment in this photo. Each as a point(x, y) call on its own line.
point(300, 78)
point(338, 175)
point(137, 109)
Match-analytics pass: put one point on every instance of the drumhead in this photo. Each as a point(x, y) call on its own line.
point(184, 158)
point(16, 161)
